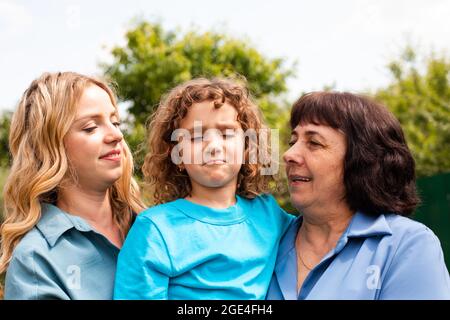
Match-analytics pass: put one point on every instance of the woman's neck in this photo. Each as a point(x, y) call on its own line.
point(322, 229)
point(92, 205)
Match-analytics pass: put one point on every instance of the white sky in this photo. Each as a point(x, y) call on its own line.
point(345, 42)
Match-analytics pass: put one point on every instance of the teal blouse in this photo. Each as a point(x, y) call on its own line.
point(62, 257)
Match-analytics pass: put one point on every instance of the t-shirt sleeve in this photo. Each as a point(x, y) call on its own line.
point(418, 269)
point(285, 219)
point(29, 277)
point(144, 266)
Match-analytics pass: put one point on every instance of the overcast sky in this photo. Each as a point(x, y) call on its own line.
point(347, 42)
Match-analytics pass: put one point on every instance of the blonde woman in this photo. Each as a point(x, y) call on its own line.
point(70, 197)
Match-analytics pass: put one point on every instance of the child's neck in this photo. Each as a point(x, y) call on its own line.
point(219, 198)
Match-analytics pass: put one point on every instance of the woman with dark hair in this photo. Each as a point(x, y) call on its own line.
point(352, 178)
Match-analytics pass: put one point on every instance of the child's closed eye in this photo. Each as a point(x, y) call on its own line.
point(196, 138)
point(228, 134)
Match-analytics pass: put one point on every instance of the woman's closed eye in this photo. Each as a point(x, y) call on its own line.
point(311, 143)
point(90, 129)
point(314, 143)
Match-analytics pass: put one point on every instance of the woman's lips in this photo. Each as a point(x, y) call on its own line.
point(112, 156)
point(298, 179)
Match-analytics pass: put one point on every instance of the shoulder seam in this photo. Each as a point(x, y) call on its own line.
point(424, 228)
point(164, 241)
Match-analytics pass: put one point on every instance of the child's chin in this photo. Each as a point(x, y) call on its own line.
point(216, 183)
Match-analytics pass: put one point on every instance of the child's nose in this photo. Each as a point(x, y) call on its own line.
point(215, 145)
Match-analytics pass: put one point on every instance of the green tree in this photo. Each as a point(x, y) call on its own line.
point(154, 61)
point(5, 120)
point(420, 98)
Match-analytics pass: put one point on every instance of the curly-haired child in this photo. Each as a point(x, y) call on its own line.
point(215, 231)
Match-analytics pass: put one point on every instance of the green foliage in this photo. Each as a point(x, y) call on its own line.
point(154, 61)
point(135, 139)
point(420, 99)
point(5, 120)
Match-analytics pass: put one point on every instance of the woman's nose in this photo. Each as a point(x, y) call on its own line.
point(114, 134)
point(293, 155)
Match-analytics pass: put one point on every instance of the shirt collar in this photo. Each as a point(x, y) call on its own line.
point(361, 226)
point(365, 226)
point(226, 216)
point(286, 264)
point(288, 241)
point(54, 223)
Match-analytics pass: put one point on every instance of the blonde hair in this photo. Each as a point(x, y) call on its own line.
point(162, 175)
point(43, 117)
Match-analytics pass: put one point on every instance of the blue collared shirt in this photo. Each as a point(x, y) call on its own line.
point(377, 257)
point(62, 257)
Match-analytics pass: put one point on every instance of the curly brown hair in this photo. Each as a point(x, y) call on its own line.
point(163, 176)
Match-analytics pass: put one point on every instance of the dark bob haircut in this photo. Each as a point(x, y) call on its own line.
point(379, 170)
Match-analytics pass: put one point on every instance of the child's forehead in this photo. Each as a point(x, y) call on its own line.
point(211, 106)
point(198, 125)
point(210, 115)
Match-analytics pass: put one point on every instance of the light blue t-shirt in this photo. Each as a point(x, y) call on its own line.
point(182, 250)
point(378, 257)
